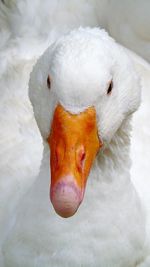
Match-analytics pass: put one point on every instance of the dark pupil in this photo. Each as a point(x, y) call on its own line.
point(110, 88)
point(48, 82)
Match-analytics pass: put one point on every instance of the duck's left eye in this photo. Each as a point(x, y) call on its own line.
point(110, 87)
point(48, 82)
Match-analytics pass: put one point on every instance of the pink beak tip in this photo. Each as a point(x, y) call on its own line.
point(66, 198)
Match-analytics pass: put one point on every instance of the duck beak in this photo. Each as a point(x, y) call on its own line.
point(74, 143)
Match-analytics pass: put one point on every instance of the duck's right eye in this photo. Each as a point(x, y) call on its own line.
point(110, 88)
point(48, 82)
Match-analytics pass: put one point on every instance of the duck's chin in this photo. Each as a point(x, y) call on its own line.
point(66, 198)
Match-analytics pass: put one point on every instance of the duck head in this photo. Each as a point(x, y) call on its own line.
point(82, 88)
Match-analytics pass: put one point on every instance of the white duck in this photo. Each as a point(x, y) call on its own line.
point(84, 90)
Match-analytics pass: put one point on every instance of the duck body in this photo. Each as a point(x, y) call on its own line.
point(109, 227)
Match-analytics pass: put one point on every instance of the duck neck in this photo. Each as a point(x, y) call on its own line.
point(109, 182)
point(113, 162)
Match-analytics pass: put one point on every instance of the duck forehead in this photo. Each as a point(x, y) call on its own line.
point(80, 76)
point(81, 52)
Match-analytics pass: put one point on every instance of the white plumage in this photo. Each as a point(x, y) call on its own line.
point(24, 246)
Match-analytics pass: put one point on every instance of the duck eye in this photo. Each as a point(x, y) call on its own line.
point(48, 82)
point(110, 88)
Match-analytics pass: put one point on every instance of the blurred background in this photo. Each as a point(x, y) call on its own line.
point(127, 21)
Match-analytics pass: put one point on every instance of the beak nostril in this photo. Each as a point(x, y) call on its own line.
point(81, 158)
point(58, 155)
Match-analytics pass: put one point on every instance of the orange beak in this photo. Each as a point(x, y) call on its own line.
point(74, 143)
